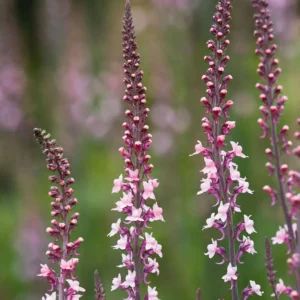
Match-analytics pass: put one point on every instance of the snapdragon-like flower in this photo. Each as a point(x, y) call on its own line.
point(273, 103)
point(222, 178)
point(138, 204)
point(62, 250)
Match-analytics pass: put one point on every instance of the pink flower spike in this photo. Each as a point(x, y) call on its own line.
point(204, 186)
point(222, 212)
point(231, 273)
point(198, 148)
point(130, 280)
point(118, 183)
point(121, 243)
point(135, 215)
point(157, 211)
point(211, 249)
point(115, 227)
point(116, 282)
point(256, 288)
point(237, 149)
point(210, 221)
point(50, 297)
point(249, 224)
point(75, 285)
point(148, 190)
point(152, 294)
point(210, 167)
point(133, 175)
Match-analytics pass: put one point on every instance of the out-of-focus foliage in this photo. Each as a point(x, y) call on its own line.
point(61, 69)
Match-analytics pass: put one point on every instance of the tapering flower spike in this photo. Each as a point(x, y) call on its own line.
point(63, 250)
point(138, 204)
point(222, 177)
point(272, 107)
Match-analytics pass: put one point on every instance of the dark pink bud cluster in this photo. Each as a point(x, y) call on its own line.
point(223, 179)
point(62, 250)
point(272, 107)
point(138, 204)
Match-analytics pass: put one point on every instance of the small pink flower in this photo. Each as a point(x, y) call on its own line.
point(237, 149)
point(75, 285)
point(151, 243)
point(133, 175)
point(198, 149)
point(210, 167)
point(116, 282)
point(45, 271)
point(121, 243)
point(204, 186)
point(281, 236)
point(249, 244)
point(154, 182)
point(135, 215)
point(245, 186)
point(126, 201)
point(235, 175)
point(256, 288)
point(280, 287)
point(126, 260)
point(152, 293)
point(222, 212)
point(249, 224)
point(211, 249)
point(157, 211)
point(130, 279)
point(153, 264)
point(50, 297)
point(69, 265)
point(148, 190)
point(231, 273)
point(118, 183)
point(115, 227)
point(210, 221)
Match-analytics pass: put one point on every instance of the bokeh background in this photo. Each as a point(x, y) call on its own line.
point(61, 69)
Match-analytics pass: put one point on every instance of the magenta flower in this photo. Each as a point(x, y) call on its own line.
point(138, 204)
point(62, 250)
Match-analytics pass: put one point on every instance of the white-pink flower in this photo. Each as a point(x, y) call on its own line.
point(68, 265)
point(116, 282)
point(210, 167)
point(75, 285)
point(126, 201)
point(204, 186)
point(115, 227)
point(130, 279)
point(133, 175)
point(50, 297)
point(256, 288)
point(136, 215)
point(281, 236)
point(231, 273)
point(152, 293)
point(148, 190)
point(210, 221)
point(250, 244)
point(238, 150)
point(152, 263)
point(198, 148)
point(151, 243)
point(125, 259)
point(157, 211)
point(118, 184)
point(154, 182)
point(245, 186)
point(249, 224)
point(45, 271)
point(222, 212)
point(121, 243)
point(211, 249)
point(234, 173)
point(280, 287)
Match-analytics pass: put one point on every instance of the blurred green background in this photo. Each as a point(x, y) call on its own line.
point(61, 69)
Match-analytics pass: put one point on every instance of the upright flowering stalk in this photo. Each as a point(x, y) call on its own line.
point(62, 251)
point(272, 107)
point(223, 180)
point(138, 200)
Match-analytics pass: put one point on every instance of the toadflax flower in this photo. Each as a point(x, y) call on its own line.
point(272, 107)
point(62, 251)
point(222, 178)
point(138, 203)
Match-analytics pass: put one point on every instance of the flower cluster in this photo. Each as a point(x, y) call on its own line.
point(272, 107)
point(223, 179)
point(62, 250)
point(138, 199)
